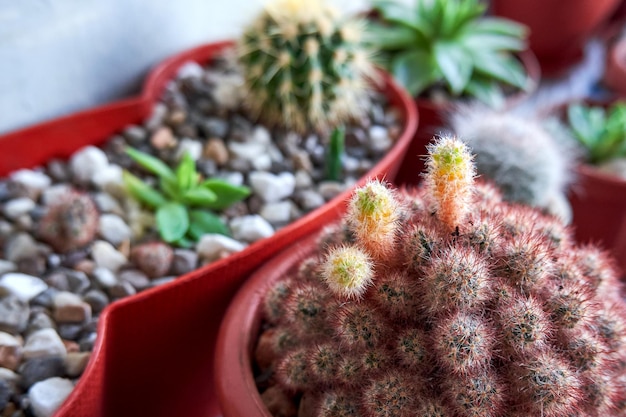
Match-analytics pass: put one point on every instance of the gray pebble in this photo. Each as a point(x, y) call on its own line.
point(5, 394)
point(97, 299)
point(184, 261)
point(38, 369)
point(39, 320)
point(104, 277)
point(69, 331)
point(19, 246)
point(45, 299)
point(122, 289)
point(135, 277)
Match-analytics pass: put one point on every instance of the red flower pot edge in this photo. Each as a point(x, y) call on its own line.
point(599, 211)
point(234, 381)
point(120, 364)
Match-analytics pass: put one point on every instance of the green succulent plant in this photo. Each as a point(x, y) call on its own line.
point(449, 44)
point(601, 131)
point(185, 203)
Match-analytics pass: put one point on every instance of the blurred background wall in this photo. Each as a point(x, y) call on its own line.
point(61, 56)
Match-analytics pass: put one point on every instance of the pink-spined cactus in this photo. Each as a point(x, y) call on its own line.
point(71, 222)
point(445, 301)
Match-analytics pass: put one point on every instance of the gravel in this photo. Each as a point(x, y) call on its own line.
point(50, 302)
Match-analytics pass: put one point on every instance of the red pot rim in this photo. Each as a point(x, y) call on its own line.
point(234, 381)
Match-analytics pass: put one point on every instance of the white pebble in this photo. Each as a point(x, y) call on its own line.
point(31, 179)
point(262, 162)
point(23, 286)
point(53, 194)
point(211, 246)
point(44, 343)
point(279, 212)
point(190, 69)
point(6, 266)
point(88, 162)
point(46, 396)
point(272, 187)
point(251, 228)
point(248, 151)
point(261, 135)
point(104, 277)
point(234, 177)
point(106, 256)
point(229, 91)
point(113, 229)
point(192, 147)
point(112, 174)
point(18, 207)
point(379, 138)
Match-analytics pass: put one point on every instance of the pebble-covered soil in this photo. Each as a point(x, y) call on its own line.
point(52, 293)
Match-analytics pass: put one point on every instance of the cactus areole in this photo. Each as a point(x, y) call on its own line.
point(440, 301)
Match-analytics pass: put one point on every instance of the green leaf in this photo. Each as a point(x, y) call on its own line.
point(395, 12)
point(203, 222)
point(455, 65)
point(227, 193)
point(500, 26)
point(486, 91)
point(500, 67)
point(488, 42)
point(142, 191)
point(415, 71)
point(199, 197)
point(172, 221)
point(587, 123)
point(390, 37)
point(170, 187)
point(151, 163)
point(186, 174)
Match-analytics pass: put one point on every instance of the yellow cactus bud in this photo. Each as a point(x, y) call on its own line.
point(373, 217)
point(348, 271)
point(450, 178)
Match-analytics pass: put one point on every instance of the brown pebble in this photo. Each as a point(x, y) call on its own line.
point(163, 138)
point(216, 150)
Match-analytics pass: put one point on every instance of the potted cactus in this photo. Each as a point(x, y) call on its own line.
point(444, 52)
point(443, 301)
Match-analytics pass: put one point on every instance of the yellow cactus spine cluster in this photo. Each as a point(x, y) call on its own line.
point(449, 178)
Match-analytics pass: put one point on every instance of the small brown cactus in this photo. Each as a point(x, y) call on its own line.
point(71, 222)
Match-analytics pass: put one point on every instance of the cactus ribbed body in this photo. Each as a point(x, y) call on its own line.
point(305, 67)
point(497, 314)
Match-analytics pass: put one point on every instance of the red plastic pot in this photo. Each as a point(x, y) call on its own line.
point(615, 71)
point(433, 119)
point(599, 211)
point(234, 381)
point(558, 29)
point(153, 355)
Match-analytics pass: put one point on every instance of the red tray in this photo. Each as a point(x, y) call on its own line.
point(154, 352)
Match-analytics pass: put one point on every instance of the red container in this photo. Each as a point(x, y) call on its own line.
point(558, 29)
point(154, 352)
point(239, 333)
point(599, 211)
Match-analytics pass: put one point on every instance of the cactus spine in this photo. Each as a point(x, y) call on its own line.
point(523, 157)
point(305, 67)
point(474, 308)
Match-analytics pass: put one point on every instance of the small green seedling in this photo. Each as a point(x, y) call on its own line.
point(185, 203)
point(602, 131)
point(335, 153)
